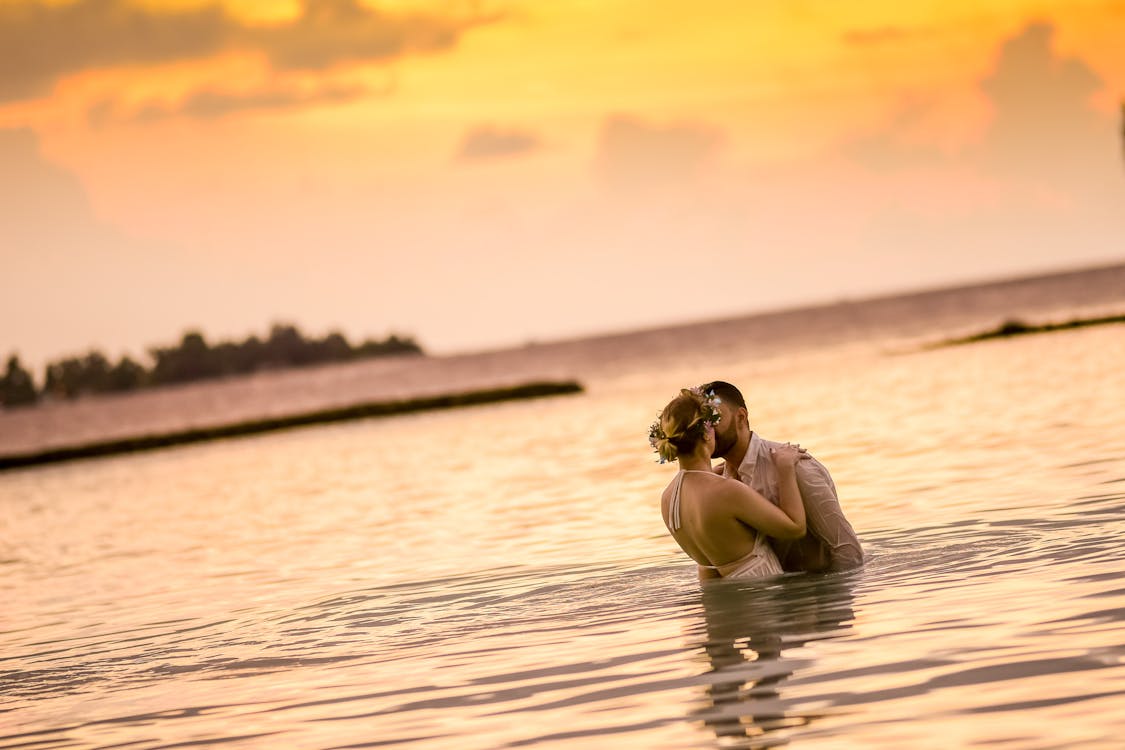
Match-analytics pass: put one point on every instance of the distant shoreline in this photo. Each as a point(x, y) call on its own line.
point(771, 312)
point(523, 391)
point(1011, 328)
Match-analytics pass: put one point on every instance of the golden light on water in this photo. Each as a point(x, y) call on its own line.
point(496, 575)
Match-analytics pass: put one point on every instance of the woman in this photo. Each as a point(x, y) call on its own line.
point(721, 523)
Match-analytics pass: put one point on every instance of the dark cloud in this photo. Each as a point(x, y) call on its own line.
point(341, 31)
point(41, 43)
point(633, 152)
point(490, 142)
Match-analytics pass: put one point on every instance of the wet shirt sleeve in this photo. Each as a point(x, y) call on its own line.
point(825, 518)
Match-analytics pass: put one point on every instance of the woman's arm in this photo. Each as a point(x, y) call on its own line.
point(785, 459)
point(750, 507)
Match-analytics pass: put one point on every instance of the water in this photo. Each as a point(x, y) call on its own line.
point(499, 576)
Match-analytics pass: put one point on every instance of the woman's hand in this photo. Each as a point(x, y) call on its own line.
point(786, 456)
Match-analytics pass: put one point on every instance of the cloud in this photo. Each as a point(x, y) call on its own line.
point(881, 35)
point(69, 279)
point(1044, 125)
point(39, 44)
point(490, 142)
point(1043, 183)
point(33, 194)
point(633, 152)
point(330, 32)
point(888, 151)
point(214, 103)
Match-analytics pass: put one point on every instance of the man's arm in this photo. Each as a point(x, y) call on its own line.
point(825, 517)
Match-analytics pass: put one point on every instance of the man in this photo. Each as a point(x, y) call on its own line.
point(830, 542)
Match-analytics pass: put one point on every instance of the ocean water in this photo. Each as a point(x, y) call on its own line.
point(499, 576)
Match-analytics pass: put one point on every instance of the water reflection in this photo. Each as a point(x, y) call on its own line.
point(751, 629)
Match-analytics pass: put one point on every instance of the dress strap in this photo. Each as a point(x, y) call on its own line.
point(674, 506)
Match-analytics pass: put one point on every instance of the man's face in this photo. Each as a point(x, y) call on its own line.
point(726, 431)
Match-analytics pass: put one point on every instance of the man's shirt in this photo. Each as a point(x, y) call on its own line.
point(830, 542)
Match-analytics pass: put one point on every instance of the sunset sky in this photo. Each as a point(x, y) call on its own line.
point(480, 174)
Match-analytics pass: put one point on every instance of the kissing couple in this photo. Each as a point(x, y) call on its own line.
point(770, 508)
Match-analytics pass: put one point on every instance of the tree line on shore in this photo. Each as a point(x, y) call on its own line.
point(190, 360)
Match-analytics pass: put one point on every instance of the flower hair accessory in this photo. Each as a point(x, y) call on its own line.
point(708, 414)
point(709, 410)
point(655, 435)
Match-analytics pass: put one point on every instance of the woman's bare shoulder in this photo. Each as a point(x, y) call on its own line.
point(723, 488)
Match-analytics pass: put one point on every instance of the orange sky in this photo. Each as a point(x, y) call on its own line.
point(484, 173)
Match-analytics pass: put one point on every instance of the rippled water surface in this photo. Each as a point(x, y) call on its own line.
point(500, 577)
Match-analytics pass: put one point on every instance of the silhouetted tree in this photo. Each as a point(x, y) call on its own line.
point(238, 359)
point(71, 377)
point(127, 375)
point(95, 373)
point(16, 387)
point(64, 378)
point(194, 359)
point(52, 380)
point(285, 346)
point(393, 344)
point(334, 348)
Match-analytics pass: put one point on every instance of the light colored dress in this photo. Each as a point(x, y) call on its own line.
point(759, 562)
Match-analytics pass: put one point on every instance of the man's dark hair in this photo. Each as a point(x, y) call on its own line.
point(726, 392)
